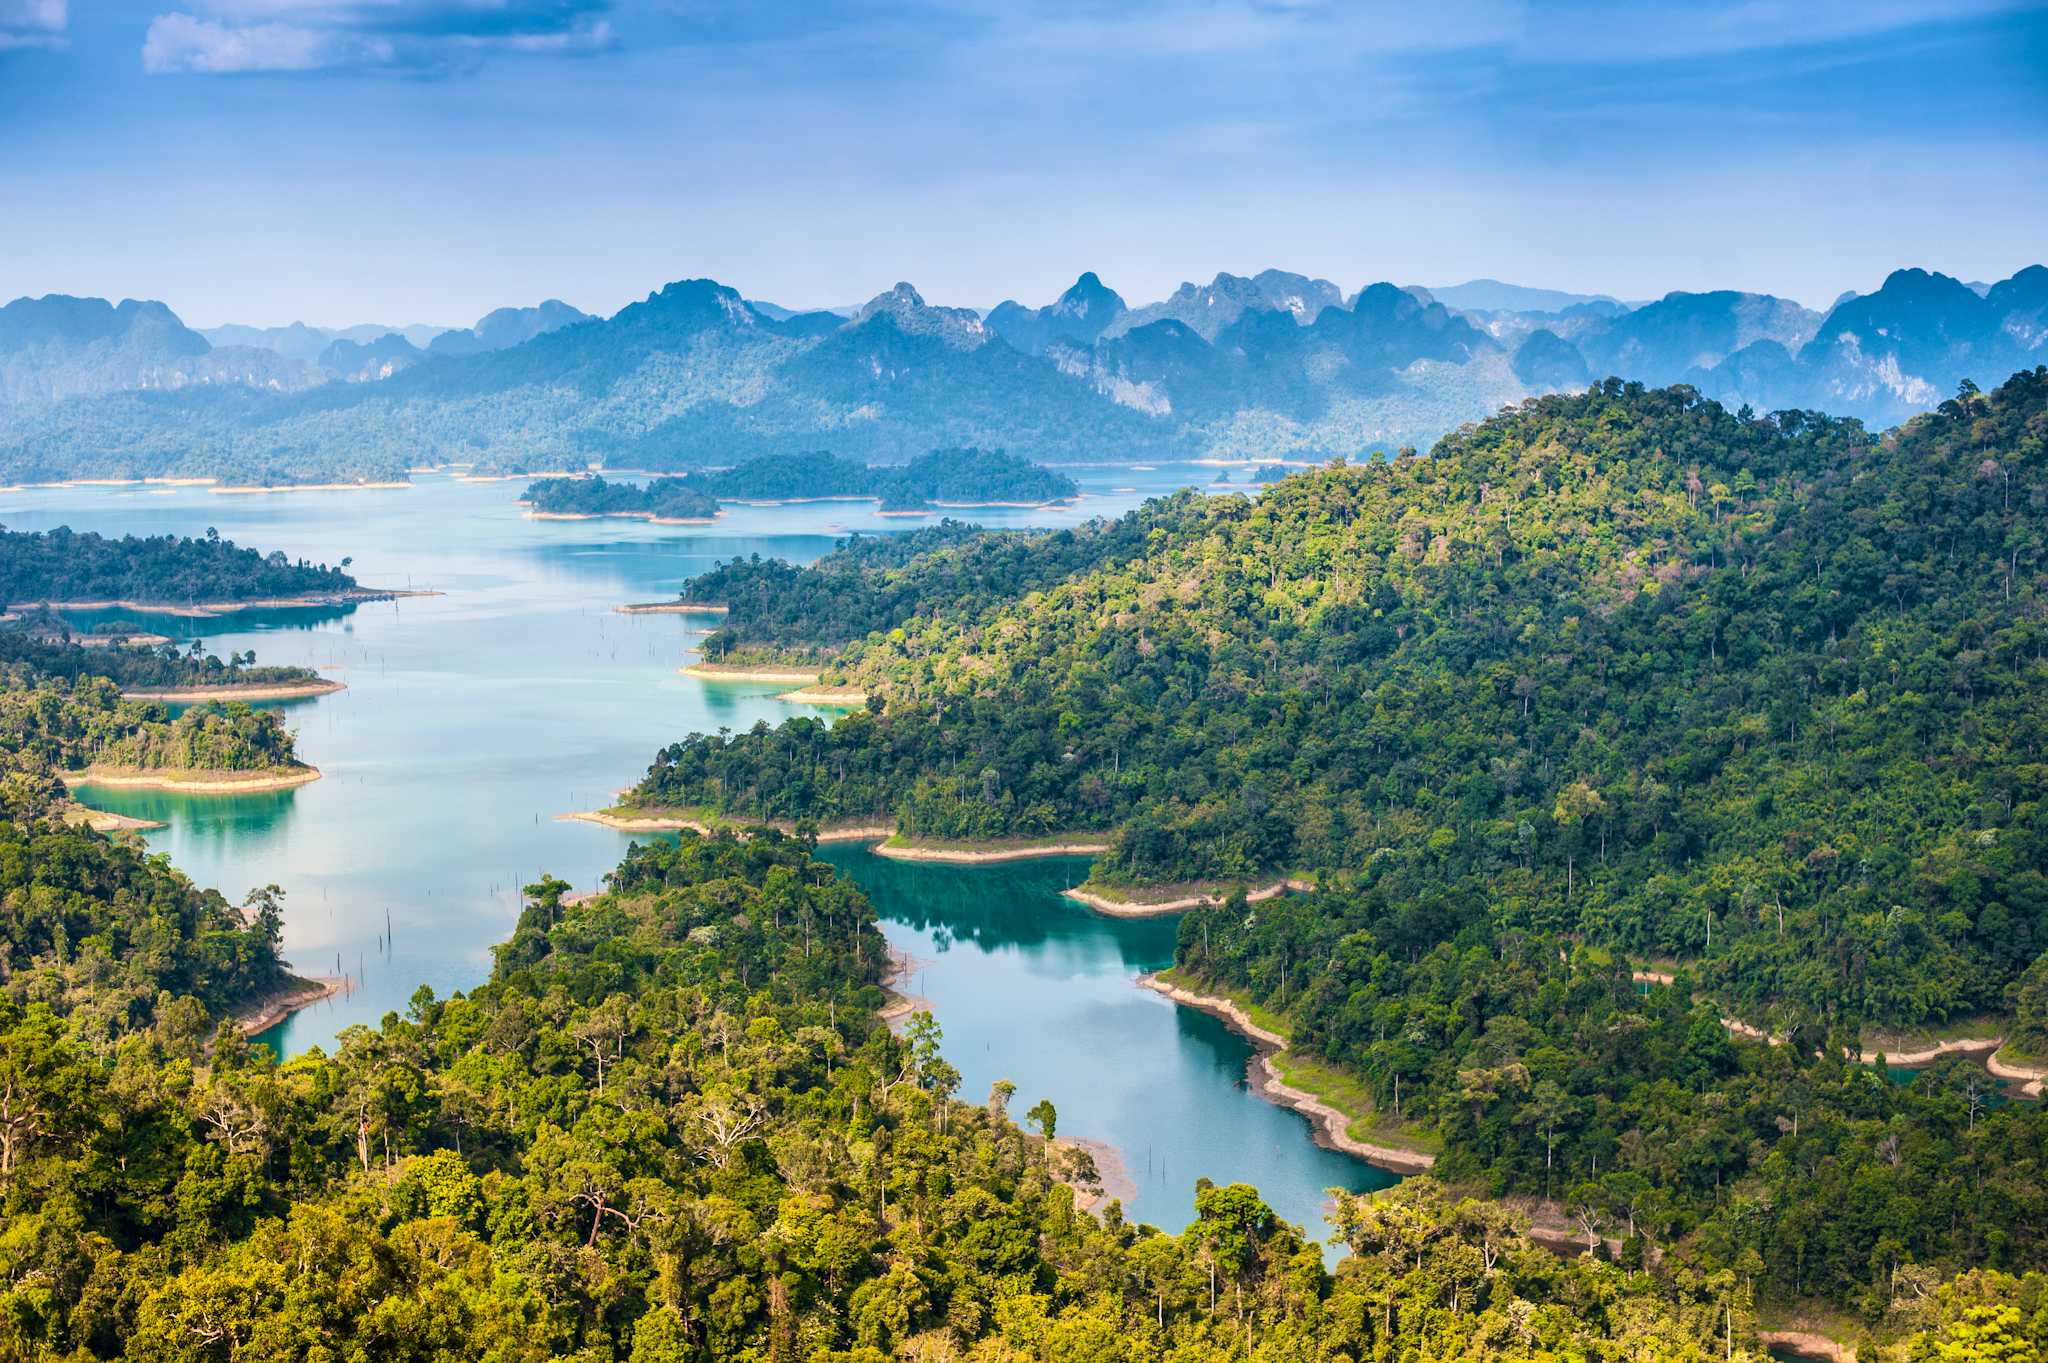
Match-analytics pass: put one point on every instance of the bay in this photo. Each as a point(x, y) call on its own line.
point(473, 720)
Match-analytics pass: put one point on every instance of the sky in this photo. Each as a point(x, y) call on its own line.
point(401, 161)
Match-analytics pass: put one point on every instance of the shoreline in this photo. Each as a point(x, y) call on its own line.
point(902, 1004)
point(106, 820)
point(843, 696)
point(324, 686)
point(1983, 1049)
point(254, 490)
point(657, 822)
point(1131, 908)
point(669, 608)
point(354, 596)
point(647, 516)
point(200, 783)
point(1331, 1127)
point(878, 836)
point(786, 676)
point(302, 991)
point(974, 856)
point(114, 482)
point(1114, 1182)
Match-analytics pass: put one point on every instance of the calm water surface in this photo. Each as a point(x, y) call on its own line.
point(475, 719)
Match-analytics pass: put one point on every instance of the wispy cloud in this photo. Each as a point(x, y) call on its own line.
point(219, 37)
point(33, 23)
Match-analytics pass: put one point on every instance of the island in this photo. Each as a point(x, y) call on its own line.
point(69, 568)
point(149, 667)
point(965, 477)
point(664, 501)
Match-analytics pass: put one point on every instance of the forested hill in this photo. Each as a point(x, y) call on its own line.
point(670, 1130)
point(873, 583)
point(65, 565)
point(1623, 663)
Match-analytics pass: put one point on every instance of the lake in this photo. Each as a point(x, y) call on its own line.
point(473, 720)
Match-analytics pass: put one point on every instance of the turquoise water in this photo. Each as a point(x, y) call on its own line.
point(473, 720)
point(1034, 988)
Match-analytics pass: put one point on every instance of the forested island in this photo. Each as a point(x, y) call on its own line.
point(661, 500)
point(954, 477)
point(66, 566)
point(47, 648)
point(1614, 685)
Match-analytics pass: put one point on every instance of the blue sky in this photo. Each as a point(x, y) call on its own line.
point(341, 161)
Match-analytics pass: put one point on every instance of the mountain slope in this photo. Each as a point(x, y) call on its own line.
point(1206, 309)
point(1076, 317)
point(1733, 643)
point(507, 327)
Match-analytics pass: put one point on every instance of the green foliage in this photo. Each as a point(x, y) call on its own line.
point(62, 565)
point(86, 723)
point(660, 498)
point(107, 936)
point(1617, 674)
point(60, 656)
point(1621, 663)
point(871, 584)
point(669, 1127)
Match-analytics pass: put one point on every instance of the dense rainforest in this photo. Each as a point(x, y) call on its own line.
point(85, 724)
point(871, 584)
point(661, 499)
point(64, 565)
point(1621, 664)
point(669, 1128)
point(51, 651)
point(99, 940)
point(1618, 676)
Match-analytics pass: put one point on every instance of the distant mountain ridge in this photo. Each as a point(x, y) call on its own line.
point(507, 327)
point(1261, 367)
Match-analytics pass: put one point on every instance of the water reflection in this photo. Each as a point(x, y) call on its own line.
point(1032, 988)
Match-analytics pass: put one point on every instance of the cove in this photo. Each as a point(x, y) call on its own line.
point(1034, 988)
point(473, 720)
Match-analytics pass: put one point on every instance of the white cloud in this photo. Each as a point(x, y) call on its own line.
point(33, 23)
point(179, 43)
point(419, 36)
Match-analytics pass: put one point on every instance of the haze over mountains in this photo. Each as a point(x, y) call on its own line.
point(1269, 366)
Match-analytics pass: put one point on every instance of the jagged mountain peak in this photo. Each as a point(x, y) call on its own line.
point(960, 328)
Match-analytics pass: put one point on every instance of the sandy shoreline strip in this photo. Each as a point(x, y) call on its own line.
point(715, 672)
point(902, 1004)
point(670, 608)
point(876, 834)
point(300, 992)
point(203, 609)
point(849, 697)
point(979, 856)
point(1116, 1183)
point(197, 783)
point(647, 516)
point(1983, 1049)
point(106, 821)
point(1131, 908)
point(324, 686)
point(252, 490)
point(1331, 1127)
point(657, 822)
